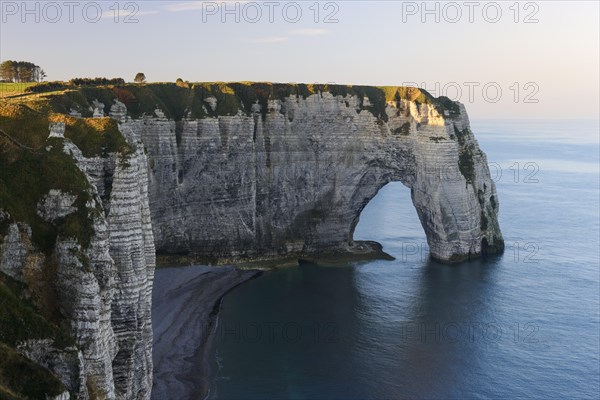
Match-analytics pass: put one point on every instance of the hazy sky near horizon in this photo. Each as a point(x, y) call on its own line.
point(542, 56)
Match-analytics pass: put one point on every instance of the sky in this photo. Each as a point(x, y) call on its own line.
point(503, 60)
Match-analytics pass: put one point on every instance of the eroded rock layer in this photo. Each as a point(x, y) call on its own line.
point(293, 180)
point(96, 286)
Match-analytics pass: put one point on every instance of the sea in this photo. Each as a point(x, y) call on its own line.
point(522, 325)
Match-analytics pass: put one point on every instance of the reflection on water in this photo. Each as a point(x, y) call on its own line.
point(315, 332)
point(522, 325)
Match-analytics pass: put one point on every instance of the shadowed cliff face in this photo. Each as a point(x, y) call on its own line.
point(76, 259)
point(290, 177)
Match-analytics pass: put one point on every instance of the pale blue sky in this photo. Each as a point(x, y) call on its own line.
point(370, 44)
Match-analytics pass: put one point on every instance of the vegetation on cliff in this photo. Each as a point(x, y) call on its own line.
point(20, 321)
point(31, 164)
point(180, 100)
point(465, 157)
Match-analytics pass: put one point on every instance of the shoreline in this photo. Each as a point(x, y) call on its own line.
point(186, 301)
point(185, 306)
point(361, 250)
point(207, 352)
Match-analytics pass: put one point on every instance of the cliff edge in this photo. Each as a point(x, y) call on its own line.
point(76, 258)
point(266, 171)
point(95, 180)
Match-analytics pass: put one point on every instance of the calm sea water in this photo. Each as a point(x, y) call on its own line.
point(524, 325)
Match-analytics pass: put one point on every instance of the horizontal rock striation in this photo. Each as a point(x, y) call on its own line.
point(291, 177)
point(96, 284)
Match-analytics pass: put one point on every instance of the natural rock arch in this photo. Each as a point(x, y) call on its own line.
point(290, 178)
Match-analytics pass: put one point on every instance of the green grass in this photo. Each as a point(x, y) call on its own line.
point(46, 87)
point(94, 136)
point(24, 124)
point(179, 101)
point(20, 320)
point(27, 175)
point(14, 89)
point(22, 379)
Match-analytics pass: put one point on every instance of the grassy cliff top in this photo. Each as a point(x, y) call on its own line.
point(31, 164)
point(188, 99)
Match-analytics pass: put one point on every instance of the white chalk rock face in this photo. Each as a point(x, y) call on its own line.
point(293, 181)
point(125, 241)
point(56, 204)
point(15, 249)
point(103, 283)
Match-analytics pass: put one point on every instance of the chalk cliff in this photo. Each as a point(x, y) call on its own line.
point(93, 281)
point(219, 172)
point(291, 177)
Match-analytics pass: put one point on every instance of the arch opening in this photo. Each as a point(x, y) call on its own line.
point(390, 219)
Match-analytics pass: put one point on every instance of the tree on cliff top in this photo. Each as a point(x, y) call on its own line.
point(140, 77)
point(21, 71)
point(179, 82)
